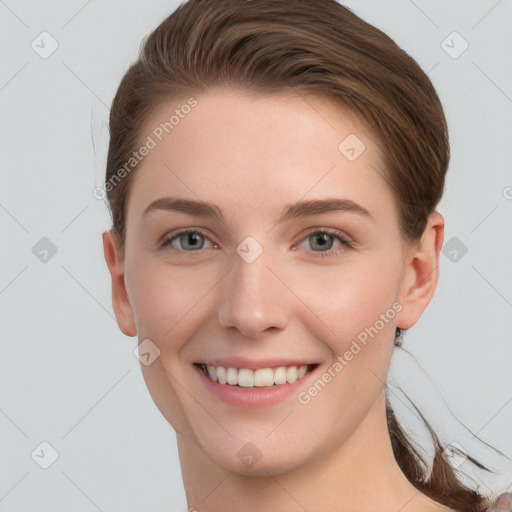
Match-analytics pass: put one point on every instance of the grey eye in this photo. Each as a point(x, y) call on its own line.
point(190, 241)
point(321, 241)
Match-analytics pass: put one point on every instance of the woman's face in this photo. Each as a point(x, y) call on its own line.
point(274, 243)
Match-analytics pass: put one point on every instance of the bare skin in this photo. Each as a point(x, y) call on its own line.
point(252, 157)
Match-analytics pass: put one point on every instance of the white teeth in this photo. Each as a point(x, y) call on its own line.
point(232, 376)
point(291, 374)
point(212, 373)
point(262, 377)
point(221, 374)
point(245, 378)
point(280, 375)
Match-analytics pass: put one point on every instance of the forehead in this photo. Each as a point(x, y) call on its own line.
point(252, 151)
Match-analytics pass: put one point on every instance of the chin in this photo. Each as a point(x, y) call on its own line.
point(274, 463)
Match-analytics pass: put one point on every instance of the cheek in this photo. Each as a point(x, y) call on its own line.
point(169, 305)
point(351, 299)
point(167, 300)
point(356, 303)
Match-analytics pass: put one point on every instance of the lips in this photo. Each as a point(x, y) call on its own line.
point(244, 393)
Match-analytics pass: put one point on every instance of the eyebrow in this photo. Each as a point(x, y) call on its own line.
point(292, 211)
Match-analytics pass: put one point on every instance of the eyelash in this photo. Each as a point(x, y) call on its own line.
point(345, 242)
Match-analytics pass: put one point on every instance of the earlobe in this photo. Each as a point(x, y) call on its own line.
point(120, 302)
point(421, 273)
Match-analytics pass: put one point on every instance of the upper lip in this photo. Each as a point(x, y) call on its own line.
point(243, 362)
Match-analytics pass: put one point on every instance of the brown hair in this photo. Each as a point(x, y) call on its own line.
point(318, 46)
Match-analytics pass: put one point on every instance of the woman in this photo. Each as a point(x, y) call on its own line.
point(273, 175)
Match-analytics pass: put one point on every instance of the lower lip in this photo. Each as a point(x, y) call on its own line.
point(252, 398)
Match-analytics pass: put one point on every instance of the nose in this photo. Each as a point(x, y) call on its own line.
point(253, 300)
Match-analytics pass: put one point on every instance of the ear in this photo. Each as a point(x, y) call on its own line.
point(421, 273)
point(120, 302)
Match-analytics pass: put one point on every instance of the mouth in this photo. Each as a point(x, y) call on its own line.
point(258, 378)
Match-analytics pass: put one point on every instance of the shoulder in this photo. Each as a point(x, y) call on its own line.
point(503, 503)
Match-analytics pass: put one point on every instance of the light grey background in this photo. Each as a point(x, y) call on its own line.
point(68, 375)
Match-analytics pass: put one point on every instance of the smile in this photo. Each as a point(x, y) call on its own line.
point(261, 377)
